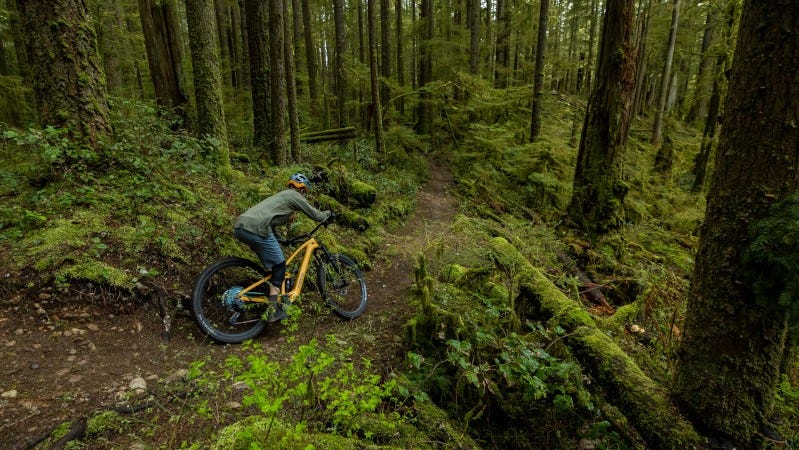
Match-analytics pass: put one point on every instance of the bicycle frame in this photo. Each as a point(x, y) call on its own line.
point(308, 247)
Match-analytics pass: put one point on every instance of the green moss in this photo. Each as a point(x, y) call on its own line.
point(274, 434)
point(105, 421)
point(98, 272)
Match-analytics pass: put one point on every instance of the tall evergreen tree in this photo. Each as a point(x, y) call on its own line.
point(373, 75)
point(257, 16)
point(162, 42)
point(734, 339)
point(599, 191)
point(277, 79)
point(66, 68)
point(538, 83)
point(207, 76)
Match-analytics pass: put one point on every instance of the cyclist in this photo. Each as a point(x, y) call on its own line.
point(254, 228)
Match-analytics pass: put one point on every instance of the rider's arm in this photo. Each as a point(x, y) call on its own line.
point(303, 205)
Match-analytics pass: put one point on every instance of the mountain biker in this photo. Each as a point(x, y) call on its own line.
point(254, 228)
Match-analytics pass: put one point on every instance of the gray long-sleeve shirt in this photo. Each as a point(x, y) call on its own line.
point(275, 210)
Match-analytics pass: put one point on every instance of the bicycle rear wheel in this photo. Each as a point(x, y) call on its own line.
point(216, 308)
point(342, 286)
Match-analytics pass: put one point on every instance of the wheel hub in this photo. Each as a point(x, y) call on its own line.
point(231, 299)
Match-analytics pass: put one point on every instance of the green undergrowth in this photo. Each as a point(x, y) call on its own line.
point(150, 208)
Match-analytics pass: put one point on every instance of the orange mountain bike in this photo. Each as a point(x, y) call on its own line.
point(230, 301)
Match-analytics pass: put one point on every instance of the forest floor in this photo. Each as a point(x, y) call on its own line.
point(64, 361)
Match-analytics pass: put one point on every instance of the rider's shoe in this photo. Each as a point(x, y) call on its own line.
point(277, 312)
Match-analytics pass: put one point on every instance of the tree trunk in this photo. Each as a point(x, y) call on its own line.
point(589, 64)
point(400, 57)
point(714, 106)
point(538, 83)
point(385, 50)
point(160, 28)
point(733, 344)
point(277, 82)
point(702, 89)
point(502, 46)
point(310, 59)
point(67, 77)
point(598, 193)
point(657, 131)
point(207, 77)
point(257, 12)
point(473, 19)
point(373, 76)
point(340, 76)
point(220, 10)
point(424, 114)
point(291, 88)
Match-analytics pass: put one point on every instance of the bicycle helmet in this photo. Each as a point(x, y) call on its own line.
point(299, 181)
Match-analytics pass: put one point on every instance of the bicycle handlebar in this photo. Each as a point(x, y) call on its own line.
point(304, 237)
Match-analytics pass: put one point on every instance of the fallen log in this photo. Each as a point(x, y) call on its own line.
point(329, 135)
point(646, 403)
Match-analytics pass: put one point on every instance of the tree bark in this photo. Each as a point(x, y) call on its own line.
point(161, 31)
point(702, 90)
point(277, 82)
point(657, 131)
point(400, 56)
point(291, 88)
point(207, 76)
point(473, 19)
point(340, 76)
point(385, 50)
point(598, 193)
point(538, 83)
point(310, 58)
point(257, 13)
point(424, 115)
point(67, 75)
point(373, 76)
point(733, 345)
point(502, 45)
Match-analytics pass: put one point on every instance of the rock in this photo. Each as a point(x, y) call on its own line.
point(138, 385)
point(9, 394)
point(178, 375)
point(93, 327)
point(233, 405)
point(240, 386)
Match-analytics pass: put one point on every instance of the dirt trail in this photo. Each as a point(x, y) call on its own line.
point(62, 361)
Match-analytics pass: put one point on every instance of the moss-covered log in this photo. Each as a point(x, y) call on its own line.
point(644, 401)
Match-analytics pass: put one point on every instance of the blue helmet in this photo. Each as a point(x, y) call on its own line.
point(299, 181)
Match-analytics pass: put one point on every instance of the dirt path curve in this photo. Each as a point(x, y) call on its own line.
point(62, 361)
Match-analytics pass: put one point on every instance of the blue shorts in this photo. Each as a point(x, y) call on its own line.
point(267, 248)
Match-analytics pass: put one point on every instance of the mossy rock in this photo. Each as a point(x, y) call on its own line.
point(264, 432)
point(363, 194)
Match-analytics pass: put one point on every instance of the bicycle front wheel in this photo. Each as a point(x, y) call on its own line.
point(342, 286)
point(216, 306)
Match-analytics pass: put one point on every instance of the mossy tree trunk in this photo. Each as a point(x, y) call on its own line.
point(257, 15)
point(733, 346)
point(66, 68)
point(310, 59)
point(538, 81)
point(291, 86)
point(161, 30)
point(373, 77)
point(340, 77)
point(424, 110)
point(204, 46)
point(277, 82)
point(599, 191)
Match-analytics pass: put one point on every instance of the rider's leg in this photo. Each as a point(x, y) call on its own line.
point(269, 253)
